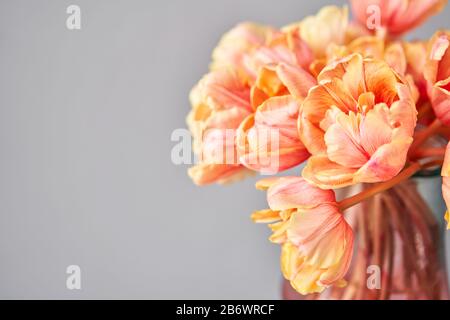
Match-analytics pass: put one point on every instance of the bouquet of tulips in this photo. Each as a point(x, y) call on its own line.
point(362, 108)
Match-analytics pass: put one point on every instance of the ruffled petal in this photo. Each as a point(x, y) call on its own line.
point(311, 225)
point(295, 192)
point(376, 129)
point(296, 80)
point(343, 141)
point(337, 272)
point(386, 162)
point(268, 141)
point(324, 173)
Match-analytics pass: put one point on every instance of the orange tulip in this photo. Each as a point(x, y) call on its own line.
point(325, 32)
point(416, 58)
point(437, 74)
point(357, 123)
point(319, 250)
point(372, 47)
point(395, 16)
point(406, 58)
point(317, 242)
point(220, 101)
point(268, 140)
point(279, 67)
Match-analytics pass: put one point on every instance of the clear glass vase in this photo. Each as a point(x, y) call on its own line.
point(399, 245)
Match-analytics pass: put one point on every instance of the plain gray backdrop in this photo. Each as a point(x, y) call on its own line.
point(86, 176)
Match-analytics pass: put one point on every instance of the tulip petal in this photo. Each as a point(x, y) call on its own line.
point(344, 141)
point(396, 58)
point(327, 26)
point(306, 280)
point(295, 192)
point(268, 81)
point(312, 224)
point(226, 119)
point(403, 113)
point(351, 70)
point(265, 216)
point(268, 141)
point(333, 275)
point(235, 46)
point(381, 81)
point(375, 129)
point(366, 101)
point(222, 89)
point(322, 172)
point(386, 162)
point(297, 80)
point(278, 232)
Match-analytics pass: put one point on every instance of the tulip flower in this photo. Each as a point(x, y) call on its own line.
point(268, 140)
point(317, 242)
point(395, 16)
point(437, 74)
point(220, 101)
point(319, 249)
point(357, 123)
point(406, 58)
point(372, 47)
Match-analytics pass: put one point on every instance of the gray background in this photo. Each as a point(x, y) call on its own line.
point(85, 170)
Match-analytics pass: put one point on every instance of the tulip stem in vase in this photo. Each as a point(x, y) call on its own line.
point(405, 174)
